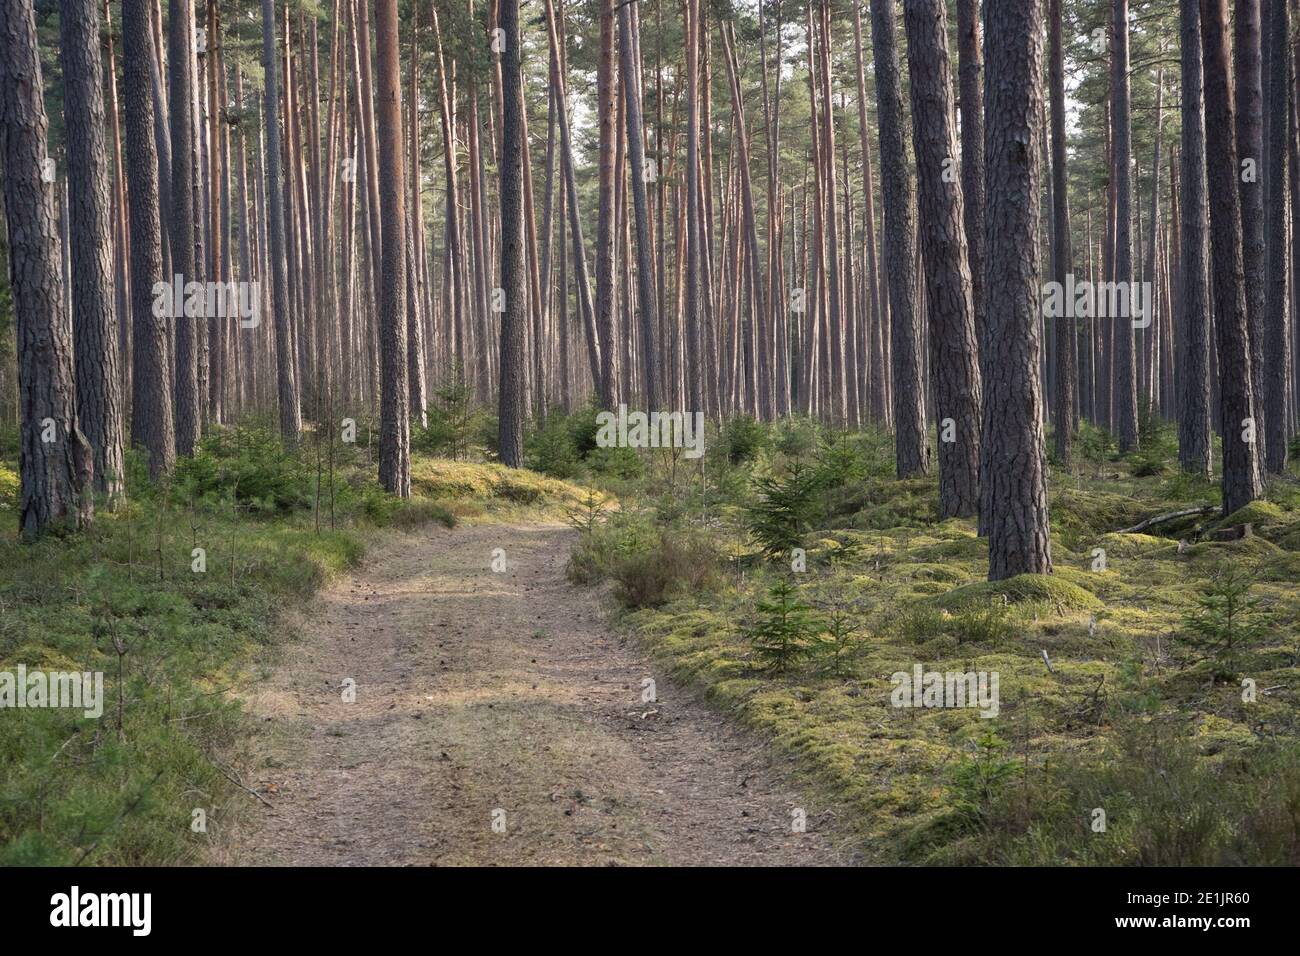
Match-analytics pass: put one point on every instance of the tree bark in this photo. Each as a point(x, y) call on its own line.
point(911, 453)
point(286, 366)
point(1019, 539)
point(515, 318)
point(394, 396)
point(55, 460)
point(1122, 326)
point(1062, 251)
point(1241, 472)
point(93, 300)
point(1193, 268)
point(1277, 371)
point(1248, 104)
point(954, 350)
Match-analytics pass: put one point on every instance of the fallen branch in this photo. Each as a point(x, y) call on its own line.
point(233, 777)
point(1168, 516)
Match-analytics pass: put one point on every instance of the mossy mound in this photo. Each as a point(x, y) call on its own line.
point(1092, 513)
point(1022, 588)
point(1261, 514)
point(1118, 545)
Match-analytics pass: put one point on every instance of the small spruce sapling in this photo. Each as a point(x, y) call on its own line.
point(785, 630)
point(1227, 619)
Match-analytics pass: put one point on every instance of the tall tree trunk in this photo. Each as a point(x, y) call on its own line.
point(1122, 326)
point(55, 460)
point(1241, 472)
point(606, 120)
point(394, 404)
point(954, 351)
point(875, 313)
point(1248, 104)
point(1193, 266)
point(646, 302)
point(151, 405)
point(93, 301)
point(694, 228)
point(180, 51)
point(1277, 371)
point(1062, 251)
point(911, 453)
point(1019, 539)
point(514, 320)
point(286, 366)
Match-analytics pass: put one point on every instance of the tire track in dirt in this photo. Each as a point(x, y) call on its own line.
point(478, 691)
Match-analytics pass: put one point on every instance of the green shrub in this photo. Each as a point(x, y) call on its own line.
point(985, 624)
point(1227, 620)
point(676, 564)
point(742, 438)
point(785, 629)
point(249, 465)
point(978, 782)
point(783, 513)
point(838, 642)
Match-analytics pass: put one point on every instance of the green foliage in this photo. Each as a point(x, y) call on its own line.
point(784, 510)
point(838, 642)
point(563, 445)
point(742, 438)
point(989, 623)
point(589, 514)
point(978, 781)
point(248, 465)
point(1095, 445)
point(1227, 620)
point(673, 565)
point(785, 629)
point(452, 421)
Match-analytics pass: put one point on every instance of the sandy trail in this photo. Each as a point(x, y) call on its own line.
point(485, 696)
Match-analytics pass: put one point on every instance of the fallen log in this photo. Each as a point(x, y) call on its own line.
point(1168, 516)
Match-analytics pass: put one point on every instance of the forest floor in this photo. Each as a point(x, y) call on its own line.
point(478, 692)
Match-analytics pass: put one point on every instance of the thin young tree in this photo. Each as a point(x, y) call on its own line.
point(1019, 539)
point(55, 461)
point(93, 299)
point(1241, 472)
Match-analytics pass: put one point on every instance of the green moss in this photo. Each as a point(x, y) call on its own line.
point(1259, 513)
point(1119, 545)
point(1021, 588)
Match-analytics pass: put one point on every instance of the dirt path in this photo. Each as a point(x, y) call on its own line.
point(479, 692)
